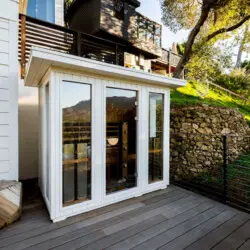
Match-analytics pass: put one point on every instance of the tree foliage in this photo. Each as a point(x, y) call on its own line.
point(208, 20)
point(208, 63)
point(237, 81)
point(246, 65)
point(67, 3)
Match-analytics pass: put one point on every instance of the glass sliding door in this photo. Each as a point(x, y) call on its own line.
point(76, 140)
point(121, 134)
point(155, 147)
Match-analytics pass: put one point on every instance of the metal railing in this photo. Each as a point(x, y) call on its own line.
point(169, 57)
point(35, 32)
point(215, 165)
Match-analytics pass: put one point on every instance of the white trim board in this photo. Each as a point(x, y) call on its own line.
point(42, 59)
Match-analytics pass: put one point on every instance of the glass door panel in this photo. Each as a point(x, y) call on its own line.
point(76, 137)
point(155, 157)
point(121, 134)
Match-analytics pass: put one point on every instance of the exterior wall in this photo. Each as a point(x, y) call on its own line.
point(87, 17)
point(59, 12)
point(9, 90)
point(28, 132)
point(28, 110)
point(54, 135)
point(125, 29)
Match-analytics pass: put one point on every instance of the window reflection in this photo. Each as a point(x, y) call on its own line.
point(76, 110)
point(156, 109)
point(121, 139)
point(42, 9)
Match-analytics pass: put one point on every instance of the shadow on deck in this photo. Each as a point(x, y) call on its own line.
point(173, 218)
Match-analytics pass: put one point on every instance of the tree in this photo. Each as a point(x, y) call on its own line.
point(67, 3)
point(208, 63)
point(244, 44)
point(208, 21)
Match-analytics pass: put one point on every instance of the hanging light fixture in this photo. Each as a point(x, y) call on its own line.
point(113, 141)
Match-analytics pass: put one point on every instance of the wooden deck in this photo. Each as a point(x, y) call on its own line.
point(168, 219)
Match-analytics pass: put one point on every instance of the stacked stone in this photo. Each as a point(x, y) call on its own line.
point(197, 139)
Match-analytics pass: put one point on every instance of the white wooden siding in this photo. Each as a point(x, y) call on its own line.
point(8, 89)
point(59, 12)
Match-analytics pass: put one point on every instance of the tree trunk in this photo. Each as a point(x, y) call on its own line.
point(188, 48)
point(241, 48)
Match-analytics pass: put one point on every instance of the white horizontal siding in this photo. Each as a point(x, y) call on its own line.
point(4, 169)
point(4, 130)
point(4, 34)
point(4, 118)
point(4, 142)
point(8, 89)
point(4, 154)
point(4, 95)
point(4, 46)
point(4, 69)
point(4, 82)
point(4, 24)
point(4, 58)
point(4, 106)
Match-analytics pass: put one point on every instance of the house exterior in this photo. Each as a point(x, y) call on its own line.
point(118, 21)
point(103, 126)
point(9, 72)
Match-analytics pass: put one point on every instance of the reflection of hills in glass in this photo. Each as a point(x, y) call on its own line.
point(121, 106)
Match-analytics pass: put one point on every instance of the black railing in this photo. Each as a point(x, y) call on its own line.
point(35, 32)
point(214, 165)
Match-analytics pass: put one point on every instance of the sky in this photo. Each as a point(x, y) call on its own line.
point(151, 9)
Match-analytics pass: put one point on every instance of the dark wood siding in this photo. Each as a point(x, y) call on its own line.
point(91, 16)
point(127, 28)
point(85, 16)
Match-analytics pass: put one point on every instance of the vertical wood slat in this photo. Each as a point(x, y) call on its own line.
point(23, 45)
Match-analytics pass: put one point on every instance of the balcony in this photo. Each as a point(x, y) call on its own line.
point(169, 58)
point(34, 32)
point(146, 35)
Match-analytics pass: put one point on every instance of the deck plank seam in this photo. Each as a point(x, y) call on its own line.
point(231, 234)
point(185, 232)
point(167, 220)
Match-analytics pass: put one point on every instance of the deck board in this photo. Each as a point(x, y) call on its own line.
point(219, 234)
point(167, 219)
point(236, 239)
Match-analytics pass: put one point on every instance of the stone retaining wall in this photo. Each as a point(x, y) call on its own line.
point(197, 139)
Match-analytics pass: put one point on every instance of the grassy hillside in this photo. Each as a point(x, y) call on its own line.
point(191, 95)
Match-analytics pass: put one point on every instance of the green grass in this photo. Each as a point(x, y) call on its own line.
point(191, 95)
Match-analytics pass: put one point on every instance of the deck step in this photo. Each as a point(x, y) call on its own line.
point(10, 202)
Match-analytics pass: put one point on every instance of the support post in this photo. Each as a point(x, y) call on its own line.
point(79, 43)
point(116, 55)
point(169, 62)
point(225, 166)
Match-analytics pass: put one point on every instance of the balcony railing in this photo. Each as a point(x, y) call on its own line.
point(34, 32)
point(168, 56)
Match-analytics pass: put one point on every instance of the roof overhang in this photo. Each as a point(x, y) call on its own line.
point(41, 60)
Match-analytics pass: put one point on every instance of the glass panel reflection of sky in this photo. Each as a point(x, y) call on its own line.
point(120, 93)
point(74, 93)
point(42, 9)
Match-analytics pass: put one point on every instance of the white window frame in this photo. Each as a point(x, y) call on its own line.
point(99, 197)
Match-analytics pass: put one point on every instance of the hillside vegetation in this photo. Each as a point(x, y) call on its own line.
point(197, 94)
